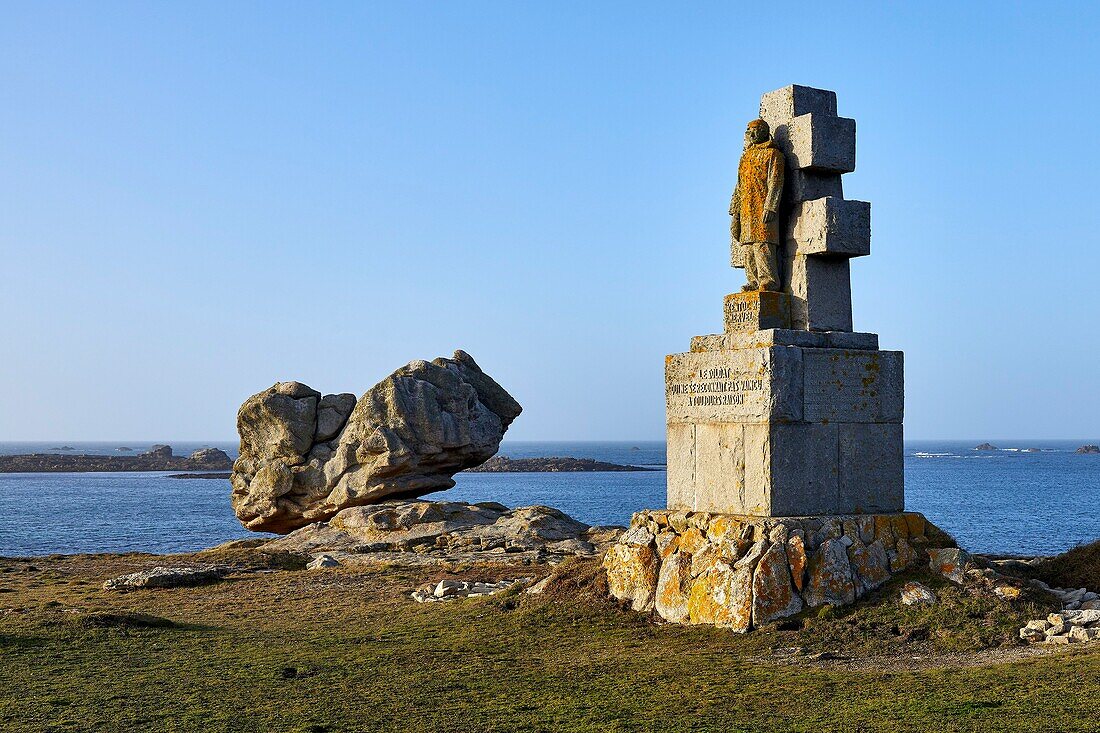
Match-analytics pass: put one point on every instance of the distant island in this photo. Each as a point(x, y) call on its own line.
point(158, 458)
point(1088, 449)
point(985, 446)
point(207, 475)
point(554, 464)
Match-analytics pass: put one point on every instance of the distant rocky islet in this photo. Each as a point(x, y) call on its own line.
point(551, 464)
point(157, 458)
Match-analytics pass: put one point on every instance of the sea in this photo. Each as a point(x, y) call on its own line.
point(1027, 497)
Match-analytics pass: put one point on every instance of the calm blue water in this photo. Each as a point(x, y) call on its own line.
point(1006, 501)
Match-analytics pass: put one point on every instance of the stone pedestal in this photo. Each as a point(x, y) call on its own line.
point(743, 572)
point(784, 430)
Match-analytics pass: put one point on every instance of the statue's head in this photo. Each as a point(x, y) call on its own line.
point(757, 132)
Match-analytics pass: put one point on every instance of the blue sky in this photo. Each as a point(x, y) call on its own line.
point(200, 199)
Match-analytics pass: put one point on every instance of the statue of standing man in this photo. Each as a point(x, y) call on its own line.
point(755, 224)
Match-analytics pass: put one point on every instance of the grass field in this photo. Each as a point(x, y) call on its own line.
point(347, 650)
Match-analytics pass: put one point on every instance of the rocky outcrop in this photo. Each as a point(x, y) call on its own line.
point(1088, 449)
point(742, 572)
point(985, 446)
point(426, 532)
point(556, 464)
point(305, 457)
point(166, 577)
point(158, 458)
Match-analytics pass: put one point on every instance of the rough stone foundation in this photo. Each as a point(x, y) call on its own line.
point(741, 572)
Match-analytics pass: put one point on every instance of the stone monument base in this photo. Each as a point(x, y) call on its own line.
point(741, 572)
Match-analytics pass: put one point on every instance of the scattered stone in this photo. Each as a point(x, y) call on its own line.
point(165, 577)
point(305, 457)
point(950, 562)
point(825, 656)
point(446, 590)
point(1032, 636)
point(1006, 592)
point(1069, 626)
point(323, 561)
point(914, 593)
point(1080, 633)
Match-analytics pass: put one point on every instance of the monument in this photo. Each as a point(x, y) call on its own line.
point(785, 474)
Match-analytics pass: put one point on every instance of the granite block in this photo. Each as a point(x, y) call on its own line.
point(853, 386)
point(872, 472)
point(832, 227)
point(821, 293)
point(822, 143)
point(748, 312)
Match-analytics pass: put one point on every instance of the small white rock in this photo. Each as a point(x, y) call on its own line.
point(913, 593)
point(447, 588)
point(1032, 635)
point(323, 561)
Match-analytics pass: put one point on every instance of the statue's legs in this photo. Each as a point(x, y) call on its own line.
point(761, 268)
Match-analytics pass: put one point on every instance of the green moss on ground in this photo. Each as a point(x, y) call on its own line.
point(347, 650)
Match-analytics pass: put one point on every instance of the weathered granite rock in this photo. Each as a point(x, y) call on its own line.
point(950, 562)
point(166, 577)
point(722, 596)
point(773, 595)
point(914, 593)
point(830, 574)
point(741, 572)
point(632, 569)
point(305, 456)
point(674, 588)
point(425, 532)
